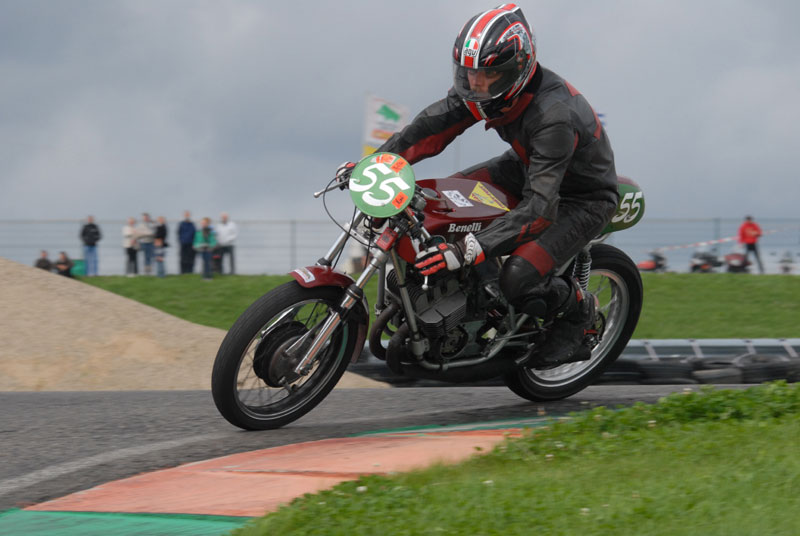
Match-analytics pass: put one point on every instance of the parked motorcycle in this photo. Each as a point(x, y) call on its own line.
point(737, 261)
point(288, 349)
point(656, 263)
point(704, 261)
point(786, 263)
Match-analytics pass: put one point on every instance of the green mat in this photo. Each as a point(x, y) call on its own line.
point(30, 523)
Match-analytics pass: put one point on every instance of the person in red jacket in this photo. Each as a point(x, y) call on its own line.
point(749, 233)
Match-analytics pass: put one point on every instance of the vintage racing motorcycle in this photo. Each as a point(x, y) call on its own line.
point(289, 348)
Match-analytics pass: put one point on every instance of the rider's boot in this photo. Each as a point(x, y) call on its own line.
point(573, 332)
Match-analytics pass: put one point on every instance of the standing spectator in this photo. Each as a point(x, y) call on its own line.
point(131, 247)
point(43, 262)
point(158, 254)
point(226, 236)
point(63, 265)
point(90, 235)
point(749, 233)
point(145, 235)
point(186, 232)
point(205, 242)
point(160, 234)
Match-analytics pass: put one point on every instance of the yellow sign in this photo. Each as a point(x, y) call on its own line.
point(481, 194)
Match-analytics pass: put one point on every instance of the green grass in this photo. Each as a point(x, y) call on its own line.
point(216, 303)
point(675, 305)
point(713, 463)
point(700, 306)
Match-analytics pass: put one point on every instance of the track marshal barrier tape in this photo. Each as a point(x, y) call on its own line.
point(723, 240)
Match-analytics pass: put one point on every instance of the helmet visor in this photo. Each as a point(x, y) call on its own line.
point(484, 83)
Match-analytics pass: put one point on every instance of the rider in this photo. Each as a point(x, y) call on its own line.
point(560, 165)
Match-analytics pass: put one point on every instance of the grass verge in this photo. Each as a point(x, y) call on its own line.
point(719, 306)
point(717, 462)
point(697, 306)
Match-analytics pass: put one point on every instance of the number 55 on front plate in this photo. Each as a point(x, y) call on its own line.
point(381, 185)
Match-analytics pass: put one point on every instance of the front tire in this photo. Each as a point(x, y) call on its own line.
point(252, 381)
point(617, 285)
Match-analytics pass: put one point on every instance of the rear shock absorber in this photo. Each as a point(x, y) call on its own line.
point(582, 268)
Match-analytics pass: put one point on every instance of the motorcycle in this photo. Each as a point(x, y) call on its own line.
point(786, 263)
point(704, 261)
point(287, 351)
point(656, 263)
point(737, 261)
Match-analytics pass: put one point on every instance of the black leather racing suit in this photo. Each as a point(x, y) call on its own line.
point(560, 165)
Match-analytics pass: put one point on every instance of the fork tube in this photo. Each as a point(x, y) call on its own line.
point(339, 244)
point(352, 295)
point(380, 300)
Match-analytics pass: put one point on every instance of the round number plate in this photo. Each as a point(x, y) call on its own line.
point(382, 184)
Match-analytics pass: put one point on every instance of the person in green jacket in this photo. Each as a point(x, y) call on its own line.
point(204, 242)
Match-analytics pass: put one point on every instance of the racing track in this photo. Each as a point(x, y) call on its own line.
point(52, 444)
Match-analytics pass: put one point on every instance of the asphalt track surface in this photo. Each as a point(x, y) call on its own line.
point(53, 444)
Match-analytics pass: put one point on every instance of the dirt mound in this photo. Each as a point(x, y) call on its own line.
point(59, 334)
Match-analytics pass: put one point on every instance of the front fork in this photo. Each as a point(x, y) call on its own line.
point(353, 294)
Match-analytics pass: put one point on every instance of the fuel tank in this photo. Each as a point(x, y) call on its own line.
point(466, 206)
point(461, 206)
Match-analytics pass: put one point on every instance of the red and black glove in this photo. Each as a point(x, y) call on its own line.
point(343, 174)
point(449, 256)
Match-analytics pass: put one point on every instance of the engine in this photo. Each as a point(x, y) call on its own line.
point(452, 310)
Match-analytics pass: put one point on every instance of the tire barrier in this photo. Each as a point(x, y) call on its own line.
point(745, 368)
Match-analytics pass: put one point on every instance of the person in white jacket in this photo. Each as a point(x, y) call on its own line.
point(131, 246)
point(226, 232)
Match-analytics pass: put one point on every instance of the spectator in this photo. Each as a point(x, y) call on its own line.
point(145, 235)
point(205, 242)
point(749, 233)
point(63, 265)
point(131, 247)
point(90, 235)
point(161, 234)
point(226, 233)
point(186, 232)
point(159, 253)
point(43, 262)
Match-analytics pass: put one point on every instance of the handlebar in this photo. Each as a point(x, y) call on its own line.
point(335, 185)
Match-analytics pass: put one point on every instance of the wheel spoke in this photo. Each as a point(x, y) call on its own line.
point(256, 394)
point(611, 293)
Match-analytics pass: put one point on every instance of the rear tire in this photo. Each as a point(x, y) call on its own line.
point(249, 380)
point(616, 283)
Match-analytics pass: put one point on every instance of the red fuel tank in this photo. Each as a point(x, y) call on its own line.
point(463, 206)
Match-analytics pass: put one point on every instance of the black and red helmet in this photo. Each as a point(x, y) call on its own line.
point(494, 57)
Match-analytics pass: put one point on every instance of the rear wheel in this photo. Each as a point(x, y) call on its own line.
point(253, 381)
point(617, 286)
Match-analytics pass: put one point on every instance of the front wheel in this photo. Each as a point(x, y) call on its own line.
point(616, 284)
point(253, 382)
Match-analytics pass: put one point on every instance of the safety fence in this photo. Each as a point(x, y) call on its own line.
point(277, 246)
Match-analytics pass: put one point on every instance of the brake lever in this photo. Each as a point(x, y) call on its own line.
point(337, 184)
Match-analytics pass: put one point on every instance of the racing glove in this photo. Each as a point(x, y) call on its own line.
point(465, 252)
point(343, 173)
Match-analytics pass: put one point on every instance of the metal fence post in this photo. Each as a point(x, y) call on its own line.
point(293, 244)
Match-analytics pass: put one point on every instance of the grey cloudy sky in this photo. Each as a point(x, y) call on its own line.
point(116, 107)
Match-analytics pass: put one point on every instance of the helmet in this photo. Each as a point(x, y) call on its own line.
point(494, 57)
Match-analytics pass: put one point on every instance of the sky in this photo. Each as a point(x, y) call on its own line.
point(113, 108)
